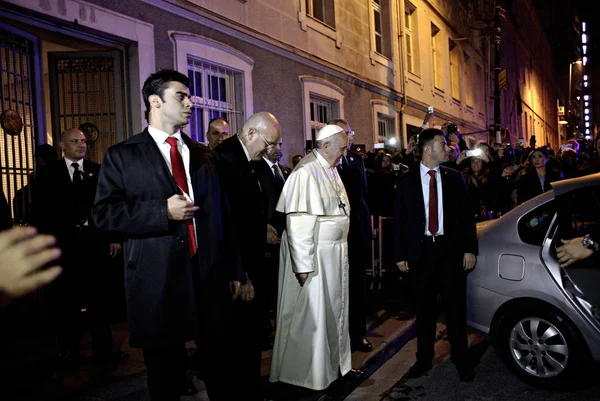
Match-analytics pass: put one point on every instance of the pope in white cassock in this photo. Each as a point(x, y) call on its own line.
point(312, 343)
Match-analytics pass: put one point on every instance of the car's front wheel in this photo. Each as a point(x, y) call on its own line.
point(542, 348)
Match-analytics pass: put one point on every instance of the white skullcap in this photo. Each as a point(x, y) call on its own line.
point(328, 130)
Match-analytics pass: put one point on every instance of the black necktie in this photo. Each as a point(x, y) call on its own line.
point(76, 174)
point(278, 175)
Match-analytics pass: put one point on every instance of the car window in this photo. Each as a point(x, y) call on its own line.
point(533, 226)
point(579, 212)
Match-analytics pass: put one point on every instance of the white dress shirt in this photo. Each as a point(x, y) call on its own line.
point(68, 162)
point(425, 178)
point(160, 137)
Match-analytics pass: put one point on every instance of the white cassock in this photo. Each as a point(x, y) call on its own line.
point(311, 338)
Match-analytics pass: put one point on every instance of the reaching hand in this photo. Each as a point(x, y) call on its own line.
point(572, 251)
point(22, 253)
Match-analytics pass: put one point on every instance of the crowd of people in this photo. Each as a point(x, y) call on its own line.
point(498, 177)
point(220, 235)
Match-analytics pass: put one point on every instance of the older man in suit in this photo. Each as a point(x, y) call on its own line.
point(159, 189)
point(272, 177)
point(62, 207)
point(360, 238)
point(435, 241)
point(248, 201)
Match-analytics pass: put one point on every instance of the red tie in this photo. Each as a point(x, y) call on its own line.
point(181, 181)
point(433, 204)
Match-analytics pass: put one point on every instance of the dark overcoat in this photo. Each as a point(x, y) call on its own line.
point(164, 288)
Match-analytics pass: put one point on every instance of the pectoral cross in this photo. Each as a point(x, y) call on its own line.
point(342, 206)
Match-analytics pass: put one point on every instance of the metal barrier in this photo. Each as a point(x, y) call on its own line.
point(382, 251)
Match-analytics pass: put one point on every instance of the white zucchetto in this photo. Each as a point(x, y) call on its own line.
point(328, 130)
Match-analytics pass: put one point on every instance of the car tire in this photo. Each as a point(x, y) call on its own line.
point(543, 348)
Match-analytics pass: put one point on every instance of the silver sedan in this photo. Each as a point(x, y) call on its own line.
point(542, 318)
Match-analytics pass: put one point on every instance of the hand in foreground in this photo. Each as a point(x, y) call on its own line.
point(403, 266)
point(179, 208)
point(272, 235)
point(469, 261)
point(115, 250)
point(572, 251)
point(247, 291)
point(301, 277)
point(22, 253)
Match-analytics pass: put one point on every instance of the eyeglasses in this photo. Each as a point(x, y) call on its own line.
point(269, 144)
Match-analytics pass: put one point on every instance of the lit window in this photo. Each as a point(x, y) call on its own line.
point(220, 81)
point(323, 101)
point(468, 80)
point(214, 91)
point(385, 123)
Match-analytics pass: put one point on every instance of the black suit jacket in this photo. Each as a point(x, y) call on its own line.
point(60, 207)
point(272, 189)
point(162, 285)
point(355, 181)
point(248, 204)
point(409, 216)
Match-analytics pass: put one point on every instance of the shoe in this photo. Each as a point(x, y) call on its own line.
point(418, 370)
point(112, 355)
point(363, 345)
point(356, 374)
point(466, 375)
point(187, 388)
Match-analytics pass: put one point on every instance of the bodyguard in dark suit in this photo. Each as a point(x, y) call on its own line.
point(62, 207)
point(272, 178)
point(159, 189)
point(360, 237)
point(435, 241)
point(248, 203)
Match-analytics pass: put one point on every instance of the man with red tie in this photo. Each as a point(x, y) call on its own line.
point(435, 241)
point(159, 189)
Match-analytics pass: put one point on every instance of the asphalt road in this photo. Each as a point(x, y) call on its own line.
point(493, 382)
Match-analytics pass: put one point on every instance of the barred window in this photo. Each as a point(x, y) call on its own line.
point(216, 92)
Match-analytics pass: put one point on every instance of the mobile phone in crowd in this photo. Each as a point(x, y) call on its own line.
point(474, 153)
point(565, 146)
point(521, 142)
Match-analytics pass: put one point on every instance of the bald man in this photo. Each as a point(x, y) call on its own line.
point(218, 131)
point(63, 206)
point(248, 203)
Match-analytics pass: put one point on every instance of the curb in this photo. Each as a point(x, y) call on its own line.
point(377, 358)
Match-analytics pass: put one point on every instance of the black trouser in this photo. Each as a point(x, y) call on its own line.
point(247, 348)
point(359, 255)
point(83, 284)
point(165, 367)
point(213, 356)
point(440, 272)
